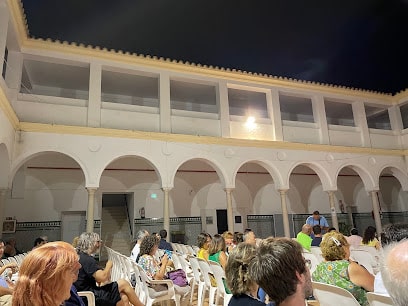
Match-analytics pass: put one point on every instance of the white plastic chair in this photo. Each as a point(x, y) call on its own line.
point(378, 299)
point(313, 261)
point(89, 296)
point(316, 251)
point(219, 275)
point(365, 259)
point(151, 295)
point(197, 280)
point(206, 272)
point(329, 295)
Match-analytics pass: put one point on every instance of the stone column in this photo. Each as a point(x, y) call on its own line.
point(91, 205)
point(4, 20)
point(319, 114)
point(223, 109)
point(166, 215)
point(376, 211)
point(165, 107)
point(285, 216)
point(273, 107)
point(335, 222)
point(95, 94)
point(3, 192)
point(230, 216)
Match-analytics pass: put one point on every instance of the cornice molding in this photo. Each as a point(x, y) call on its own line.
point(102, 132)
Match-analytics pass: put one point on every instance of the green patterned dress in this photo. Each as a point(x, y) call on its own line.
point(336, 273)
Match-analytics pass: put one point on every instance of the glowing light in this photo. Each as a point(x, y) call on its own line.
point(153, 196)
point(250, 123)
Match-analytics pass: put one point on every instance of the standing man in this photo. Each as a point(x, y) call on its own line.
point(280, 269)
point(316, 219)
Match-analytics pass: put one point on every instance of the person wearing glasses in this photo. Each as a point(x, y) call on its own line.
point(340, 271)
point(90, 276)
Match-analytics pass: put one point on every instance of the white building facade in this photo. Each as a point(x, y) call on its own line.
point(184, 142)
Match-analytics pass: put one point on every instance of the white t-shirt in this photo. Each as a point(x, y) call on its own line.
point(135, 252)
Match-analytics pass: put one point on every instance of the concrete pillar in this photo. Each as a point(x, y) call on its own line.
point(14, 72)
point(4, 19)
point(333, 212)
point(230, 216)
point(90, 211)
point(95, 92)
point(165, 105)
point(3, 192)
point(376, 211)
point(360, 121)
point(166, 215)
point(285, 216)
point(273, 107)
point(223, 108)
point(319, 114)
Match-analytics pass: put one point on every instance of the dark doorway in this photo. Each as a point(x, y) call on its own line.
point(222, 222)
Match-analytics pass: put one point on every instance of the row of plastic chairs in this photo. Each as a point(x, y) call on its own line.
point(148, 290)
point(184, 248)
point(18, 259)
point(203, 272)
point(329, 295)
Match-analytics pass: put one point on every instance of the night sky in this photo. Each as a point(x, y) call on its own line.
point(359, 43)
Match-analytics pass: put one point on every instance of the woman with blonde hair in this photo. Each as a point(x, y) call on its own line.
point(340, 271)
point(243, 288)
point(229, 241)
point(46, 275)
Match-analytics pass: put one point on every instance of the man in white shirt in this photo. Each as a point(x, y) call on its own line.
point(136, 250)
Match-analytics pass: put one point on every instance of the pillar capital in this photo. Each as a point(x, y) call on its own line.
point(166, 189)
point(91, 190)
point(229, 190)
point(283, 191)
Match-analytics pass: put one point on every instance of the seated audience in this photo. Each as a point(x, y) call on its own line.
point(243, 288)
point(229, 241)
point(238, 237)
point(38, 242)
point(216, 250)
point(164, 245)
point(216, 253)
point(203, 242)
point(91, 276)
point(6, 286)
point(249, 236)
point(154, 269)
point(354, 239)
point(340, 271)
point(390, 234)
point(10, 248)
point(394, 272)
point(280, 269)
point(46, 275)
point(136, 249)
point(369, 237)
point(317, 231)
point(304, 238)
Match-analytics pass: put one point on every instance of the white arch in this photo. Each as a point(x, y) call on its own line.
point(4, 166)
point(220, 171)
point(272, 170)
point(30, 154)
point(365, 176)
point(117, 157)
point(327, 182)
point(401, 176)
